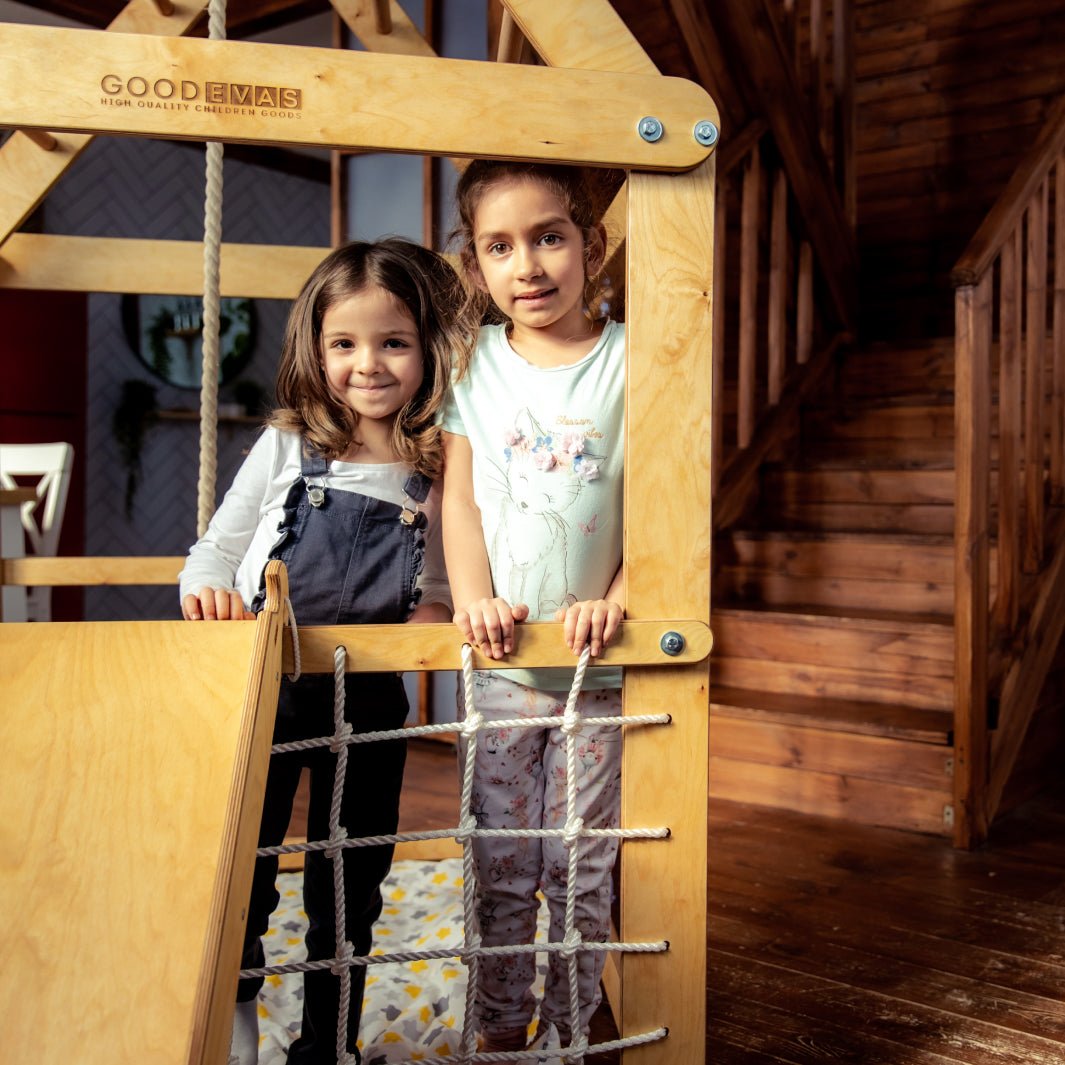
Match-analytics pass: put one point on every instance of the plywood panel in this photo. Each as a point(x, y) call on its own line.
point(135, 759)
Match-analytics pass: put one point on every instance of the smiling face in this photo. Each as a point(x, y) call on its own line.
point(531, 258)
point(372, 358)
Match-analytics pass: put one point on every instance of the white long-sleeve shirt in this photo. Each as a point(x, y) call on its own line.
point(242, 533)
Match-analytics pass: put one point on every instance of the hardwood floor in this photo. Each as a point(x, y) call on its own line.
point(842, 943)
point(833, 942)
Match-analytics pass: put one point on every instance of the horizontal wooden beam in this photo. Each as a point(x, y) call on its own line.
point(60, 571)
point(274, 94)
point(158, 267)
point(26, 172)
point(377, 648)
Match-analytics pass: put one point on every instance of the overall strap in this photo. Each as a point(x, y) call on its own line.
point(312, 462)
point(417, 486)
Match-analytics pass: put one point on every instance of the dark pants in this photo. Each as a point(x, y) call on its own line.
point(370, 807)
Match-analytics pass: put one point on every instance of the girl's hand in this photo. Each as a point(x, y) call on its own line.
point(593, 621)
point(488, 624)
point(215, 604)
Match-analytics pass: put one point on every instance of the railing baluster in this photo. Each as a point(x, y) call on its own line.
point(778, 273)
point(1009, 429)
point(972, 415)
point(804, 305)
point(1057, 407)
point(1034, 393)
point(749, 214)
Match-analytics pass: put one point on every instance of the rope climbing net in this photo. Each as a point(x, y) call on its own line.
point(471, 950)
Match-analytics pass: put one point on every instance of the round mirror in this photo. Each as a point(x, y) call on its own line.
point(166, 333)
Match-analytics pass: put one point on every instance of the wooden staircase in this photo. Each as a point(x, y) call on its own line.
point(834, 649)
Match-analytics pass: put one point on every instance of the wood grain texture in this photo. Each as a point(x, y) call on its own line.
point(163, 267)
point(373, 648)
point(667, 557)
point(139, 752)
point(419, 104)
point(27, 173)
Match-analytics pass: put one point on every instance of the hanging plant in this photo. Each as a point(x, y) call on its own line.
point(136, 412)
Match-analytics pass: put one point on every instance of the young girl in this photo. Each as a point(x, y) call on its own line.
point(532, 530)
point(338, 488)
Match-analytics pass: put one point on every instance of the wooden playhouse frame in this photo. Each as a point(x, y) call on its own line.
point(60, 87)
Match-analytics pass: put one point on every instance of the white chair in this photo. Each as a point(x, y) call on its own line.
point(42, 517)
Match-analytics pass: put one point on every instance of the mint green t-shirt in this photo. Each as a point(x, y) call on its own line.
point(548, 453)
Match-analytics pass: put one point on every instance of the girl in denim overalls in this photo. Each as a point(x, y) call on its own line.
point(338, 487)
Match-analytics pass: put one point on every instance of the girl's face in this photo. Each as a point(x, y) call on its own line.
point(372, 355)
point(531, 258)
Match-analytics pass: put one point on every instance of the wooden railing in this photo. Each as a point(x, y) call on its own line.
point(819, 34)
point(1001, 305)
point(786, 263)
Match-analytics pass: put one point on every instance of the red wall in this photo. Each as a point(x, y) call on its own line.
point(43, 346)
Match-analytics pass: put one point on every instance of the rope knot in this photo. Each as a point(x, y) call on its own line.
point(571, 721)
point(572, 832)
point(578, 1047)
point(472, 950)
point(334, 852)
point(466, 829)
point(341, 737)
point(571, 944)
point(342, 962)
point(474, 721)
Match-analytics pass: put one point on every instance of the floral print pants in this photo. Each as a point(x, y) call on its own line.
point(520, 782)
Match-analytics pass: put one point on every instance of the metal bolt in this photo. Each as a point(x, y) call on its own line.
point(706, 133)
point(650, 129)
point(672, 643)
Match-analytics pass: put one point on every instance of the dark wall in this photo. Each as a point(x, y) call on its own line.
point(950, 94)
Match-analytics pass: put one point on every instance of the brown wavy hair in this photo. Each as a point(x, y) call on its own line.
point(428, 287)
point(583, 193)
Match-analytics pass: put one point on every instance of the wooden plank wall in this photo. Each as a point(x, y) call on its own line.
point(949, 93)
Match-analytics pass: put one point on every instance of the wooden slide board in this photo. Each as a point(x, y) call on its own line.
point(135, 760)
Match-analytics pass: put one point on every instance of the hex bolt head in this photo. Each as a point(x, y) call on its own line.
point(672, 643)
point(650, 129)
point(705, 133)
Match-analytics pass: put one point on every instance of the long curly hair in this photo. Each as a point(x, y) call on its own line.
point(428, 287)
point(583, 193)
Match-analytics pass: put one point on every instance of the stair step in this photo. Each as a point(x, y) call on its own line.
point(841, 485)
point(886, 421)
point(837, 715)
point(869, 640)
point(843, 570)
point(933, 453)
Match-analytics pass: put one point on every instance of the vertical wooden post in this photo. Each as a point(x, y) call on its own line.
point(1009, 434)
point(1034, 369)
point(667, 567)
point(717, 443)
point(338, 172)
point(748, 376)
point(804, 305)
point(843, 106)
point(778, 275)
point(972, 418)
point(1057, 406)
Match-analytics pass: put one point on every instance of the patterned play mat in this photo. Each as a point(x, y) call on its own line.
point(412, 1011)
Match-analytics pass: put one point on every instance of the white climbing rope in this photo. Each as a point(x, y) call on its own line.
point(471, 950)
point(212, 250)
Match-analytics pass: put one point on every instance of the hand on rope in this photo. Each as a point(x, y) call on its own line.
point(215, 604)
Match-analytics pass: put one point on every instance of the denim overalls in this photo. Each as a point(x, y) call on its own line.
point(350, 559)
